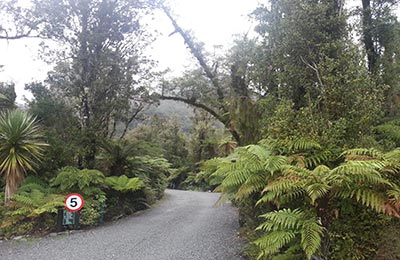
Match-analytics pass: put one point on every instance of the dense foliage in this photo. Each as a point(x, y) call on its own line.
point(312, 95)
point(304, 118)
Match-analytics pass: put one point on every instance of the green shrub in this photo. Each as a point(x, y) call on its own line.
point(32, 209)
point(153, 172)
point(124, 184)
point(93, 212)
point(331, 207)
point(72, 179)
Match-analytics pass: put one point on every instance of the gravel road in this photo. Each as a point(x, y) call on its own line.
point(185, 225)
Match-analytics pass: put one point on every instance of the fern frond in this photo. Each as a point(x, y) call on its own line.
point(315, 160)
point(284, 184)
point(28, 187)
point(70, 178)
point(393, 156)
point(261, 152)
point(274, 163)
point(237, 177)
point(321, 170)
point(22, 212)
point(90, 177)
point(311, 236)
point(360, 172)
point(300, 145)
point(295, 171)
point(365, 196)
point(317, 190)
point(282, 219)
point(271, 243)
point(254, 183)
point(124, 184)
point(50, 206)
point(362, 153)
point(24, 200)
point(389, 131)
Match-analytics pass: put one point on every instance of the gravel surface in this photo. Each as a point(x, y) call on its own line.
point(185, 225)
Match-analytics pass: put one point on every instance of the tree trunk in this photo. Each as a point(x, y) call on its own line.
point(8, 192)
point(324, 213)
point(89, 144)
point(13, 179)
point(368, 40)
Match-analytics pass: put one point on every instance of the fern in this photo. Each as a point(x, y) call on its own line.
point(271, 243)
point(248, 173)
point(291, 146)
point(285, 225)
point(33, 200)
point(362, 153)
point(316, 191)
point(72, 179)
point(124, 184)
point(311, 236)
point(297, 177)
point(316, 159)
point(282, 219)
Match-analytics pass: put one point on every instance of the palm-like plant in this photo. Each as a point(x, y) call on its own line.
point(71, 179)
point(248, 169)
point(20, 148)
point(124, 184)
point(116, 156)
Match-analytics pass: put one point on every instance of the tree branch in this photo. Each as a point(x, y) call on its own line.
point(198, 55)
point(224, 120)
point(127, 123)
point(314, 68)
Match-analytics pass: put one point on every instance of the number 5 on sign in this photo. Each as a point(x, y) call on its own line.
point(74, 202)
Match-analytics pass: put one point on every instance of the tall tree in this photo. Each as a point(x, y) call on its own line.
point(380, 32)
point(102, 70)
point(215, 89)
point(309, 64)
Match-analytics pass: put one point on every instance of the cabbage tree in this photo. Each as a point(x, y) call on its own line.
point(21, 148)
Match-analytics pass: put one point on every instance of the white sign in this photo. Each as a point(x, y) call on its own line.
point(74, 202)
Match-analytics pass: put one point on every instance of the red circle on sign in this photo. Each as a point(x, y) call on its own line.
point(74, 202)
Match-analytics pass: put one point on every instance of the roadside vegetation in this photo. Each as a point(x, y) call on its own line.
point(297, 124)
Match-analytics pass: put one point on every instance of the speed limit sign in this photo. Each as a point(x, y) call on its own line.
point(74, 202)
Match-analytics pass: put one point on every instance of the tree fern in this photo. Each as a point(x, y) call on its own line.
point(124, 184)
point(247, 170)
point(297, 177)
point(33, 200)
point(115, 156)
point(317, 190)
point(73, 179)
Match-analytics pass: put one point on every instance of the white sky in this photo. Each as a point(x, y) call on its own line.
point(213, 22)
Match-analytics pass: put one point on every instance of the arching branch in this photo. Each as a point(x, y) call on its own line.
point(223, 119)
point(198, 55)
